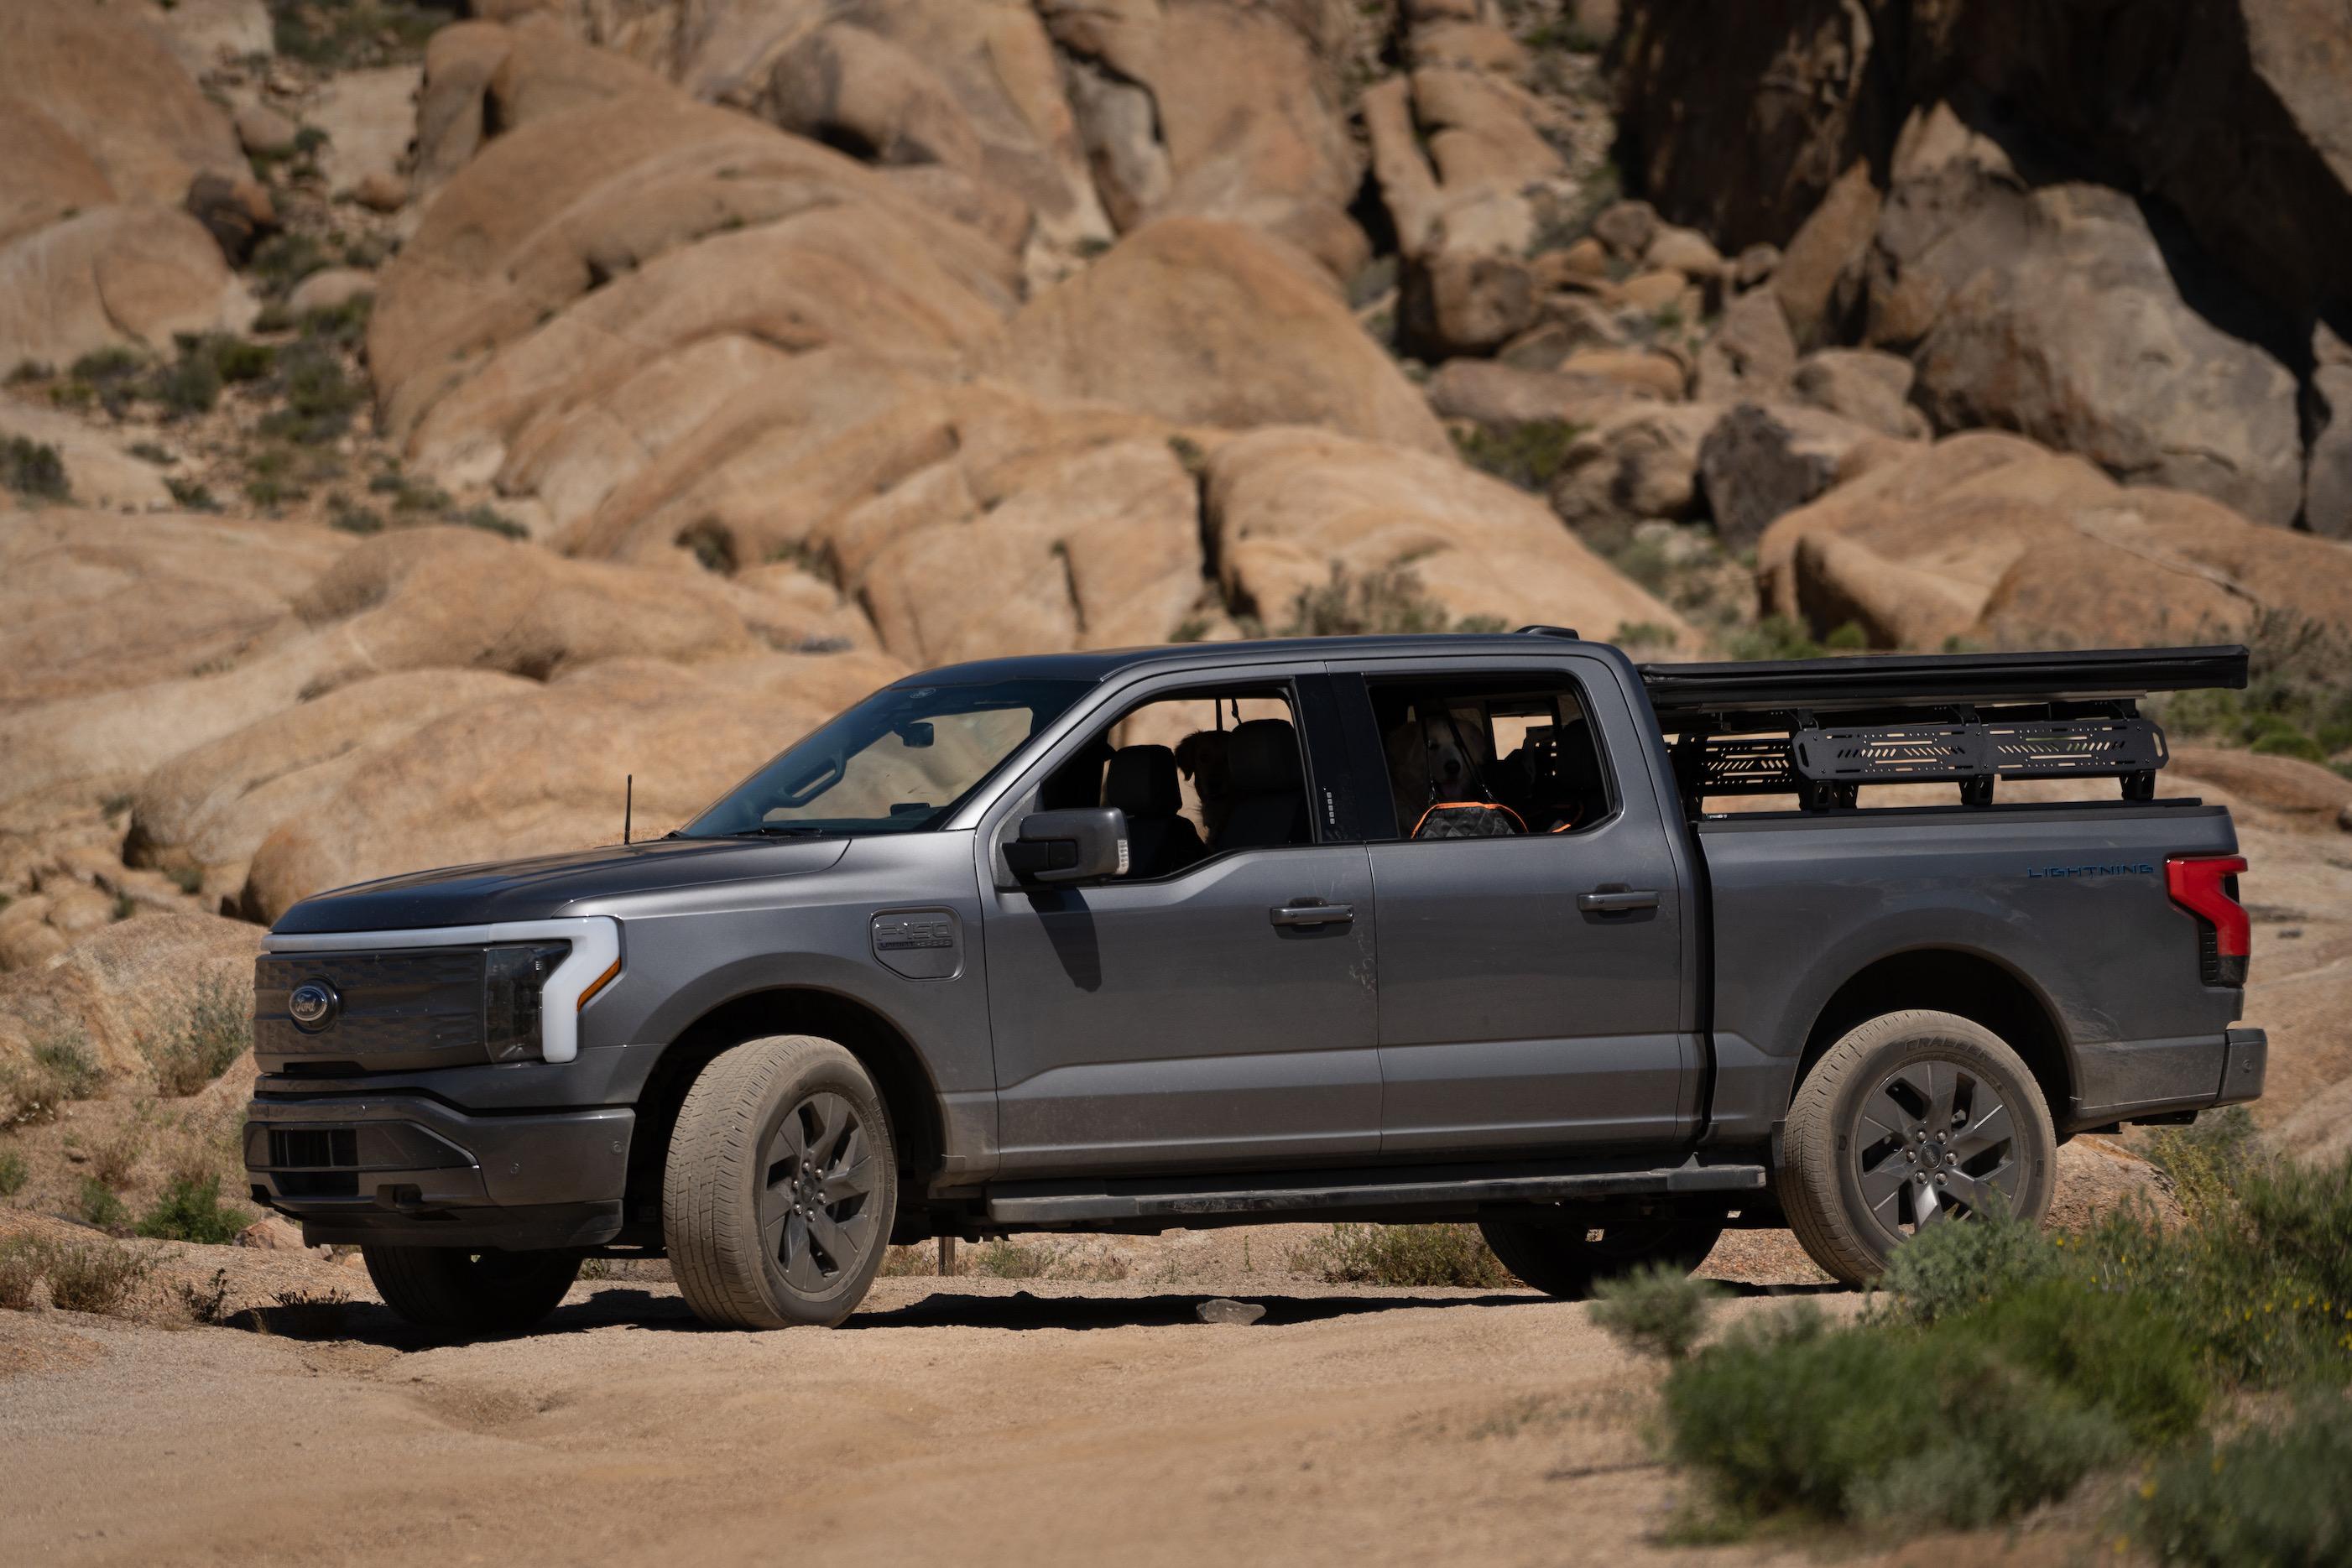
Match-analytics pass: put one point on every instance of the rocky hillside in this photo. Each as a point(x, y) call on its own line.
point(420, 417)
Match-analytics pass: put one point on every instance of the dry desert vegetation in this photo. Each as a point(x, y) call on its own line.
point(421, 415)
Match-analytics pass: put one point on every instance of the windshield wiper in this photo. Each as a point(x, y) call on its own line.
point(774, 831)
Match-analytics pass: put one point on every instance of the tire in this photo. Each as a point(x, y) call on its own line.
point(457, 1294)
point(1892, 1130)
point(1549, 1250)
point(781, 1188)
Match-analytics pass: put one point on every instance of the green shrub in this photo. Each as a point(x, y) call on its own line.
point(191, 1210)
point(1774, 637)
point(1948, 1269)
point(12, 1173)
point(214, 1027)
point(20, 1270)
point(320, 398)
point(346, 35)
point(59, 1068)
point(2275, 1497)
point(490, 519)
point(1386, 599)
point(1656, 1310)
point(190, 495)
point(33, 469)
point(1455, 1255)
point(189, 384)
point(1006, 1260)
point(1528, 454)
point(94, 1277)
point(2206, 1162)
point(1875, 1424)
point(2120, 1354)
point(285, 259)
point(100, 1207)
point(2297, 701)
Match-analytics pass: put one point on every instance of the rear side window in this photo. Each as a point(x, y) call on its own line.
point(1496, 755)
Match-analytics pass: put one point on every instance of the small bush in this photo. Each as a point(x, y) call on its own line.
point(188, 385)
point(33, 469)
point(94, 1277)
point(192, 1211)
point(1454, 1255)
point(2207, 1161)
point(2297, 701)
point(320, 398)
point(202, 1303)
point(1657, 1310)
point(60, 1067)
point(490, 521)
point(191, 495)
point(1528, 454)
point(1638, 634)
point(309, 1314)
point(12, 1173)
point(2120, 1354)
point(102, 1208)
point(1388, 599)
point(1006, 1260)
point(1948, 1269)
point(344, 325)
point(214, 1025)
point(20, 1269)
point(1870, 1425)
point(113, 1160)
point(149, 452)
point(1774, 637)
point(2272, 1497)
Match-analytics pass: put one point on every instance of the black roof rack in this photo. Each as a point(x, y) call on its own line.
point(1567, 631)
point(1936, 680)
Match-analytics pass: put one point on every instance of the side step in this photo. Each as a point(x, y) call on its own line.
point(1308, 1195)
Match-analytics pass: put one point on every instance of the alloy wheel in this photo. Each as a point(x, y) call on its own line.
point(815, 1218)
point(1935, 1142)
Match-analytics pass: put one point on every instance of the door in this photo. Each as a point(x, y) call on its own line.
point(1533, 992)
point(1212, 1009)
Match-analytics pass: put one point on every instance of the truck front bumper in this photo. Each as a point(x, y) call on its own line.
point(412, 1171)
point(2136, 1079)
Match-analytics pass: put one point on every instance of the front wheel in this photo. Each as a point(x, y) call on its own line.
point(1562, 1256)
point(457, 1294)
point(781, 1187)
point(1914, 1119)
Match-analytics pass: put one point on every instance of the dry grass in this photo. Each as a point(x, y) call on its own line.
point(1444, 1255)
point(91, 1276)
point(212, 1030)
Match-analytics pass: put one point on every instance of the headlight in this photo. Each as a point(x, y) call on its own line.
point(511, 988)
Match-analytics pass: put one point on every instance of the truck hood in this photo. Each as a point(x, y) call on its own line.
point(549, 885)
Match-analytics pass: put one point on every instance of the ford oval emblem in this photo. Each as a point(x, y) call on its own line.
point(313, 1004)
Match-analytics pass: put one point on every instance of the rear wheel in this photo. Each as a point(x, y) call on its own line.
point(780, 1185)
point(1914, 1119)
point(458, 1294)
point(1562, 1256)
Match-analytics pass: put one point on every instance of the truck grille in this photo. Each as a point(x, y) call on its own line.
point(394, 1010)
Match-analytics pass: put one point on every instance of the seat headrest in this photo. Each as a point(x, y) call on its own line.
point(1264, 756)
point(1142, 781)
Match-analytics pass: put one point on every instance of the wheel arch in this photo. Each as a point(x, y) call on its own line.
point(910, 1096)
point(1963, 981)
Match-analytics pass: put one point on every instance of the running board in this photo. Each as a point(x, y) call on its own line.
point(1240, 1199)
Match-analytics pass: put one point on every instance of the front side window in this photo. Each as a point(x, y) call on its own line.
point(1196, 773)
point(898, 762)
point(1492, 756)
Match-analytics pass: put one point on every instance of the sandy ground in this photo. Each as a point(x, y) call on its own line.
point(952, 1420)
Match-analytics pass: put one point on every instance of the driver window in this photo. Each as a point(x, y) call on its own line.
point(1196, 773)
point(1493, 758)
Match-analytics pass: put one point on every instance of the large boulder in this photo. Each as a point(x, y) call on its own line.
point(1287, 506)
point(1739, 119)
point(90, 603)
point(106, 133)
point(614, 221)
point(128, 984)
point(418, 598)
point(1208, 323)
point(1992, 538)
point(1637, 464)
point(1759, 461)
point(543, 770)
point(2057, 312)
point(1217, 108)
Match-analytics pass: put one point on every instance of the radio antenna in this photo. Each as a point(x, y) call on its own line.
point(628, 805)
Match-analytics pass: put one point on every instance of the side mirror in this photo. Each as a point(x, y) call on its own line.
point(1088, 844)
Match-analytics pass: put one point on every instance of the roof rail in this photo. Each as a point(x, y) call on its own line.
point(1567, 631)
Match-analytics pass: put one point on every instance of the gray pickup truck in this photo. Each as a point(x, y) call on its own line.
point(1385, 928)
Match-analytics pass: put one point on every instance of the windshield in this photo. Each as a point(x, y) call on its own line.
point(896, 763)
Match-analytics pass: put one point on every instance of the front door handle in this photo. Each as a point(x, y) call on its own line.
point(1311, 912)
point(1617, 900)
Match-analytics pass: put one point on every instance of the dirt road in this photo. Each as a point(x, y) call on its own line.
point(955, 1420)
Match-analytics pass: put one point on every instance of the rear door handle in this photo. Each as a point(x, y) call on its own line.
point(1311, 912)
point(1617, 900)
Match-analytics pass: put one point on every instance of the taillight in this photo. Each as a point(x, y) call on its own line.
point(2206, 887)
